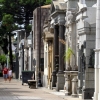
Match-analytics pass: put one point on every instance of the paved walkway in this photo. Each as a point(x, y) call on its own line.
point(15, 91)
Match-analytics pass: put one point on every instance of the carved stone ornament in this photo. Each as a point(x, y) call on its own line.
point(61, 19)
point(69, 17)
point(69, 68)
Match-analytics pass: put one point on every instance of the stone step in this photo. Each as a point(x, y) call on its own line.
point(62, 91)
point(80, 96)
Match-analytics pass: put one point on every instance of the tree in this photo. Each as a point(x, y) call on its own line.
point(21, 10)
point(48, 2)
point(3, 59)
point(4, 45)
point(22, 13)
point(8, 23)
point(18, 12)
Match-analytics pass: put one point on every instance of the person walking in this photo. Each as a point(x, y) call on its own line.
point(9, 74)
point(5, 73)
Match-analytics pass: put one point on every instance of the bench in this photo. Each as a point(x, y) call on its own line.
point(32, 84)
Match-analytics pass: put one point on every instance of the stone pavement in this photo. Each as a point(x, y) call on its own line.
point(16, 91)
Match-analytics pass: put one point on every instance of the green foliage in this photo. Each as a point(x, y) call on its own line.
point(17, 11)
point(48, 2)
point(3, 59)
point(13, 56)
point(21, 10)
point(68, 54)
point(29, 28)
point(7, 26)
point(25, 2)
point(8, 22)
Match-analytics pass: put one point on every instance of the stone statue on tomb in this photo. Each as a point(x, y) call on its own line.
point(69, 17)
point(69, 39)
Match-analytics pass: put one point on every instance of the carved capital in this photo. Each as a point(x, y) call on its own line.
point(61, 20)
point(54, 21)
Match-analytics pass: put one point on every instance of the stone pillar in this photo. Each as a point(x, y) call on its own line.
point(68, 83)
point(60, 74)
point(74, 75)
point(20, 64)
point(25, 59)
point(61, 48)
point(29, 59)
point(22, 57)
point(56, 58)
point(80, 73)
point(97, 54)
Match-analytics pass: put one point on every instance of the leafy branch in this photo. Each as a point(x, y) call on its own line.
point(67, 56)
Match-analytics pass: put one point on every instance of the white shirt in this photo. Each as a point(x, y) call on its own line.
point(10, 72)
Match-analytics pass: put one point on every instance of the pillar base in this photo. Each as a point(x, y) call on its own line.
point(60, 81)
point(39, 83)
point(80, 96)
point(68, 83)
point(67, 93)
point(96, 96)
point(74, 95)
point(74, 83)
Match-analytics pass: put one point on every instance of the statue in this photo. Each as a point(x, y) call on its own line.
point(69, 17)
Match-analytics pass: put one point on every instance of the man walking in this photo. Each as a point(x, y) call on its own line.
point(5, 73)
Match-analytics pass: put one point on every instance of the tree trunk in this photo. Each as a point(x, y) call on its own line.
point(10, 51)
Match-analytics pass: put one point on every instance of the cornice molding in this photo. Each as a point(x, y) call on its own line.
point(58, 20)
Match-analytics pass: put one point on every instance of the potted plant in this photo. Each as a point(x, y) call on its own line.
point(67, 57)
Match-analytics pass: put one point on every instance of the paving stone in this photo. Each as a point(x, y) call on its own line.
point(16, 91)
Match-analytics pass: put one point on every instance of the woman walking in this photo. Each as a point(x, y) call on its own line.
point(9, 74)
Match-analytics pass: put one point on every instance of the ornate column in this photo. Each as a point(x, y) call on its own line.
point(56, 57)
point(69, 36)
point(60, 74)
point(68, 83)
point(71, 76)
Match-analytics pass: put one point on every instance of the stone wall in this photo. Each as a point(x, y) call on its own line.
point(37, 35)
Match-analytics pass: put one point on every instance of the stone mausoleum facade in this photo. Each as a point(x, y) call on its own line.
point(71, 24)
